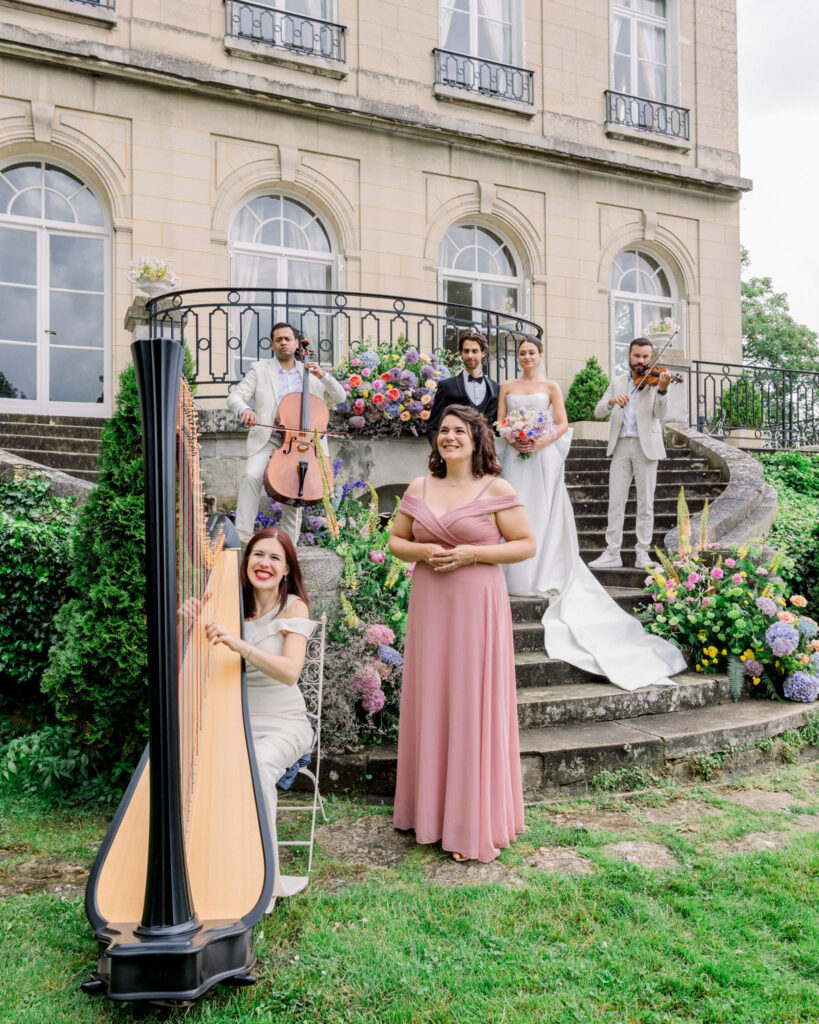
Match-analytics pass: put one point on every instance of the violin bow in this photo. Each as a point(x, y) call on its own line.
point(325, 433)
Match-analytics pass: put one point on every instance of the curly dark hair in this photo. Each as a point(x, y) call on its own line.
point(484, 460)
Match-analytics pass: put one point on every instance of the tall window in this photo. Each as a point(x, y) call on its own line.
point(640, 44)
point(642, 291)
point(279, 242)
point(53, 257)
point(479, 269)
point(481, 28)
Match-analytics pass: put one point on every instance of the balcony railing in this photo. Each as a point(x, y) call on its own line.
point(284, 30)
point(647, 115)
point(227, 329)
point(771, 406)
point(107, 5)
point(485, 77)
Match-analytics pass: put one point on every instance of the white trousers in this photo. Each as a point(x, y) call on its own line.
point(628, 461)
point(250, 491)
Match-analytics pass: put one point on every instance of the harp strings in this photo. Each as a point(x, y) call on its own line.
point(199, 595)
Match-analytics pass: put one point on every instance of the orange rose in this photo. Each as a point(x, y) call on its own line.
point(799, 601)
point(354, 380)
point(393, 394)
point(425, 416)
point(378, 398)
point(386, 376)
point(787, 617)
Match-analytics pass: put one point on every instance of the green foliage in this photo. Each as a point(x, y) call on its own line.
point(96, 676)
point(741, 406)
point(736, 676)
point(36, 530)
point(585, 391)
point(623, 780)
point(795, 476)
point(770, 335)
point(797, 470)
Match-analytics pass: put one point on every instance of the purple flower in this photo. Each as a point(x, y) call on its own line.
point(782, 639)
point(373, 700)
point(441, 373)
point(378, 384)
point(670, 584)
point(766, 605)
point(357, 422)
point(392, 410)
point(366, 678)
point(307, 539)
point(648, 580)
point(415, 408)
point(370, 359)
point(409, 379)
point(342, 407)
point(717, 573)
point(348, 387)
point(736, 578)
point(396, 373)
point(802, 687)
point(753, 668)
point(314, 523)
point(379, 634)
point(677, 565)
point(813, 661)
point(690, 600)
point(427, 372)
point(389, 655)
point(418, 393)
point(412, 355)
point(730, 563)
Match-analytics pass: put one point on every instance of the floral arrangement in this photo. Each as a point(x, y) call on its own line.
point(731, 613)
point(390, 388)
point(151, 268)
point(665, 325)
point(526, 423)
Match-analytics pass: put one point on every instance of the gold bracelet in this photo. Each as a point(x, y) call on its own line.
point(475, 559)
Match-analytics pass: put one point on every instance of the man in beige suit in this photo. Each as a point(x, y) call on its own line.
point(635, 446)
point(265, 384)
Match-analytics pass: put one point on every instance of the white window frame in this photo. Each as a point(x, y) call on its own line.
point(44, 230)
point(671, 23)
point(518, 35)
point(476, 277)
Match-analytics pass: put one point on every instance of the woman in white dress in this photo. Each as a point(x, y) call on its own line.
point(582, 624)
point(274, 646)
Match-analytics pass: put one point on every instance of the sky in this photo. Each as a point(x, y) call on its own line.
point(779, 146)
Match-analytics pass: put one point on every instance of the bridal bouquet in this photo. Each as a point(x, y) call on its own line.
point(526, 423)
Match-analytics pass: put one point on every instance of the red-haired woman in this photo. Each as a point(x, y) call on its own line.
point(277, 629)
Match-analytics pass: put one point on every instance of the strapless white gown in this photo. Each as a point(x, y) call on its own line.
point(583, 625)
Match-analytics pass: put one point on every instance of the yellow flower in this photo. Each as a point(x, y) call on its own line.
point(756, 680)
point(698, 668)
point(724, 651)
point(743, 573)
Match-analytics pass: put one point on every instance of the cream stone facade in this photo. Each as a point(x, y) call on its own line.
point(175, 116)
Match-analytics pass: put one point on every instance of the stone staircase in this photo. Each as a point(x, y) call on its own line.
point(67, 443)
point(574, 725)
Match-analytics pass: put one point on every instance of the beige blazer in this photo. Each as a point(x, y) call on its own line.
point(652, 408)
point(259, 385)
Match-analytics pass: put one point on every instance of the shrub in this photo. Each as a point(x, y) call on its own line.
point(97, 674)
point(740, 406)
point(586, 390)
point(36, 530)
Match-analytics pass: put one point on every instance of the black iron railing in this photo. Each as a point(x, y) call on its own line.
point(485, 77)
point(774, 406)
point(108, 5)
point(647, 115)
point(226, 329)
point(285, 30)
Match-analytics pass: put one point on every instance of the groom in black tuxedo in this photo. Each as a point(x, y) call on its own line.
point(468, 387)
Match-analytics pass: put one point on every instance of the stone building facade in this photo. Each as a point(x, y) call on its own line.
point(574, 161)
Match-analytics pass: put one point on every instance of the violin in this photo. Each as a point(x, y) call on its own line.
point(298, 471)
point(651, 378)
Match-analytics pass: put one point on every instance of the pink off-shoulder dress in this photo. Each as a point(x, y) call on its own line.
point(458, 751)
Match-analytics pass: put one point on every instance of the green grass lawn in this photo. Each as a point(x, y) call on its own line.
point(721, 938)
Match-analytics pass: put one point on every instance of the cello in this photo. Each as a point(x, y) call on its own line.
point(298, 471)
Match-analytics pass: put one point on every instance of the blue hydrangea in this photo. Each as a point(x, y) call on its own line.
point(342, 407)
point(807, 626)
point(392, 410)
point(766, 605)
point(389, 655)
point(412, 355)
point(813, 662)
point(369, 358)
point(782, 639)
point(802, 687)
point(441, 372)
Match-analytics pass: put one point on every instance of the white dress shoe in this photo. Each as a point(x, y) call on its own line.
point(643, 560)
point(608, 560)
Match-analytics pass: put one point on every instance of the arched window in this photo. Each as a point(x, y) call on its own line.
point(279, 242)
point(642, 290)
point(54, 256)
point(479, 269)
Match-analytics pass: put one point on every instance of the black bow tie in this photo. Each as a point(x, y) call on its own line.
point(475, 380)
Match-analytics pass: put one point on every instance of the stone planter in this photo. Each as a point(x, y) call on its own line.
point(590, 430)
point(744, 437)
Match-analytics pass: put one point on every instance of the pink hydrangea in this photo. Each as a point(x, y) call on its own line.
point(670, 584)
point(693, 577)
point(730, 563)
point(705, 602)
point(355, 362)
point(688, 585)
point(366, 371)
point(690, 600)
point(366, 679)
point(379, 634)
point(373, 700)
point(736, 578)
point(658, 607)
point(717, 573)
point(383, 669)
point(677, 565)
point(378, 557)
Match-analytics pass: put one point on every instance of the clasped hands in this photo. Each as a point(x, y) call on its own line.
point(531, 444)
point(447, 559)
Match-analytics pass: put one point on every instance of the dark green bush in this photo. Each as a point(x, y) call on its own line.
point(797, 470)
point(36, 529)
point(97, 674)
point(586, 390)
point(741, 406)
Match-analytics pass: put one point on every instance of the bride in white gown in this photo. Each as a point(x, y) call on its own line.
point(582, 624)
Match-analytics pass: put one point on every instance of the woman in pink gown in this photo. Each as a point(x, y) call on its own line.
point(458, 755)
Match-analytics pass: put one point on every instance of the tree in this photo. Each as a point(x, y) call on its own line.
point(770, 335)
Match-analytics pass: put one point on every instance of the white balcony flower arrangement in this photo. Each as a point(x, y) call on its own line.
point(152, 275)
point(660, 330)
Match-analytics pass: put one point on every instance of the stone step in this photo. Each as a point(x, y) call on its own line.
point(591, 538)
point(51, 443)
point(581, 462)
point(567, 757)
point(527, 612)
point(694, 493)
point(539, 707)
point(626, 577)
point(68, 462)
point(571, 755)
point(597, 450)
point(65, 421)
point(599, 505)
point(595, 522)
point(665, 476)
point(536, 668)
point(28, 429)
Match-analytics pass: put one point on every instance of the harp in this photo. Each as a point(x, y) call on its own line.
point(185, 870)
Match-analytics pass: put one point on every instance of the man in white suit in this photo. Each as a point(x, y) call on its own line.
point(635, 446)
point(265, 384)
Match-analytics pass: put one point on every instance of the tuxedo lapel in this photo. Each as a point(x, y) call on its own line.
point(460, 379)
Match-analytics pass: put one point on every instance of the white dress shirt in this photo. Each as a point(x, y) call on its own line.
point(290, 380)
point(629, 426)
point(475, 390)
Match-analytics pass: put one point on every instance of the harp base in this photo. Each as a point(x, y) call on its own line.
point(133, 967)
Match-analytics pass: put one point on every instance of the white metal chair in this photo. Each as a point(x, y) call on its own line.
point(311, 684)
